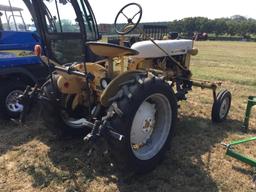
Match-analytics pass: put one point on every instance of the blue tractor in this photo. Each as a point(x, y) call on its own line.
point(47, 24)
point(18, 65)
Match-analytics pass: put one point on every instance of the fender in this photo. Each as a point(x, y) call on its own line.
point(114, 85)
point(18, 70)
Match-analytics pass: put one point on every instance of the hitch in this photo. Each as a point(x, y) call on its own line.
point(92, 136)
point(100, 128)
point(26, 99)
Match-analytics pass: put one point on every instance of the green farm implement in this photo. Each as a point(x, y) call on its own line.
point(243, 158)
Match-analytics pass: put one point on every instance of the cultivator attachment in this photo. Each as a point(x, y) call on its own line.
point(243, 158)
point(250, 104)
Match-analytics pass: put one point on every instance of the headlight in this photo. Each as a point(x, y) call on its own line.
point(104, 83)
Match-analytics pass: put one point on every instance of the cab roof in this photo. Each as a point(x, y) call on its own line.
point(8, 8)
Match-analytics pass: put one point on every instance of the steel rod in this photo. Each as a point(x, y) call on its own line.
point(242, 141)
point(241, 157)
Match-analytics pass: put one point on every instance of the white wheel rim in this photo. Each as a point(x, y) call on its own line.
point(224, 107)
point(12, 102)
point(73, 122)
point(151, 126)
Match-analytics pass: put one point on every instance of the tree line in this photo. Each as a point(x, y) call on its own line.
point(235, 25)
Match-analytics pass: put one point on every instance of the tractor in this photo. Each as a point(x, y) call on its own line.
point(130, 96)
point(18, 65)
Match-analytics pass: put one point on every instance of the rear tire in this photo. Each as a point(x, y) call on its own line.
point(148, 120)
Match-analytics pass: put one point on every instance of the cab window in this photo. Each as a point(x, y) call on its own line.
point(60, 16)
point(15, 16)
point(89, 20)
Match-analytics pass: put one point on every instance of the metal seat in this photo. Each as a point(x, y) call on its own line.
point(110, 50)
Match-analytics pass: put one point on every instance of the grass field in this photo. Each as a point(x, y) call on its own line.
point(31, 159)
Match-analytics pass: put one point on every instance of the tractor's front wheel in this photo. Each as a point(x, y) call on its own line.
point(147, 117)
point(57, 118)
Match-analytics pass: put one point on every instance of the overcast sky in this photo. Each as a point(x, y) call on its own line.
point(168, 10)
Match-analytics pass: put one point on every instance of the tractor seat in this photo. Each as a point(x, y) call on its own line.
point(110, 50)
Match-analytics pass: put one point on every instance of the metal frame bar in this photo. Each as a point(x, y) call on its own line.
point(205, 85)
point(208, 85)
point(25, 27)
point(250, 104)
point(243, 158)
point(13, 16)
point(58, 13)
point(8, 22)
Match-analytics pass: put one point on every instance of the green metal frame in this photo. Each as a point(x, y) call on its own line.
point(250, 104)
point(232, 153)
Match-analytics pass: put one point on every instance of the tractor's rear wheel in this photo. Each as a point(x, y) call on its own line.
point(147, 118)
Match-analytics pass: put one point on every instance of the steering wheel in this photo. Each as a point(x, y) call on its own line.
point(129, 25)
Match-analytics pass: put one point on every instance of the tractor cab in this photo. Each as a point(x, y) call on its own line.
point(65, 26)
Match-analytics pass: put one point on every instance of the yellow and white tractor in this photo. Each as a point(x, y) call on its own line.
point(129, 97)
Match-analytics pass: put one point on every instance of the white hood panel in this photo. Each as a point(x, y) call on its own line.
point(147, 49)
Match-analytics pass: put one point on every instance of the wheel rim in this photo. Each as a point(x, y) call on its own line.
point(12, 102)
point(73, 122)
point(151, 126)
point(66, 114)
point(224, 107)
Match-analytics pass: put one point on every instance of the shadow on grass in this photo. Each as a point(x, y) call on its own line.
point(181, 170)
point(13, 135)
point(244, 171)
point(77, 167)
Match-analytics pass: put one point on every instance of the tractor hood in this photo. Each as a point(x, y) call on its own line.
point(147, 49)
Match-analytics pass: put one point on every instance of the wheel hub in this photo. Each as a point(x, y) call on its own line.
point(143, 124)
point(224, 107)
point(151, 126)
point(12, 102)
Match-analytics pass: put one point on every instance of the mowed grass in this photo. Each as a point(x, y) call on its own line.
point(31, 159)
point(229, 61)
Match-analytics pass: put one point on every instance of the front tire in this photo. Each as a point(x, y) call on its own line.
point(148, 124)
point(221, 106)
